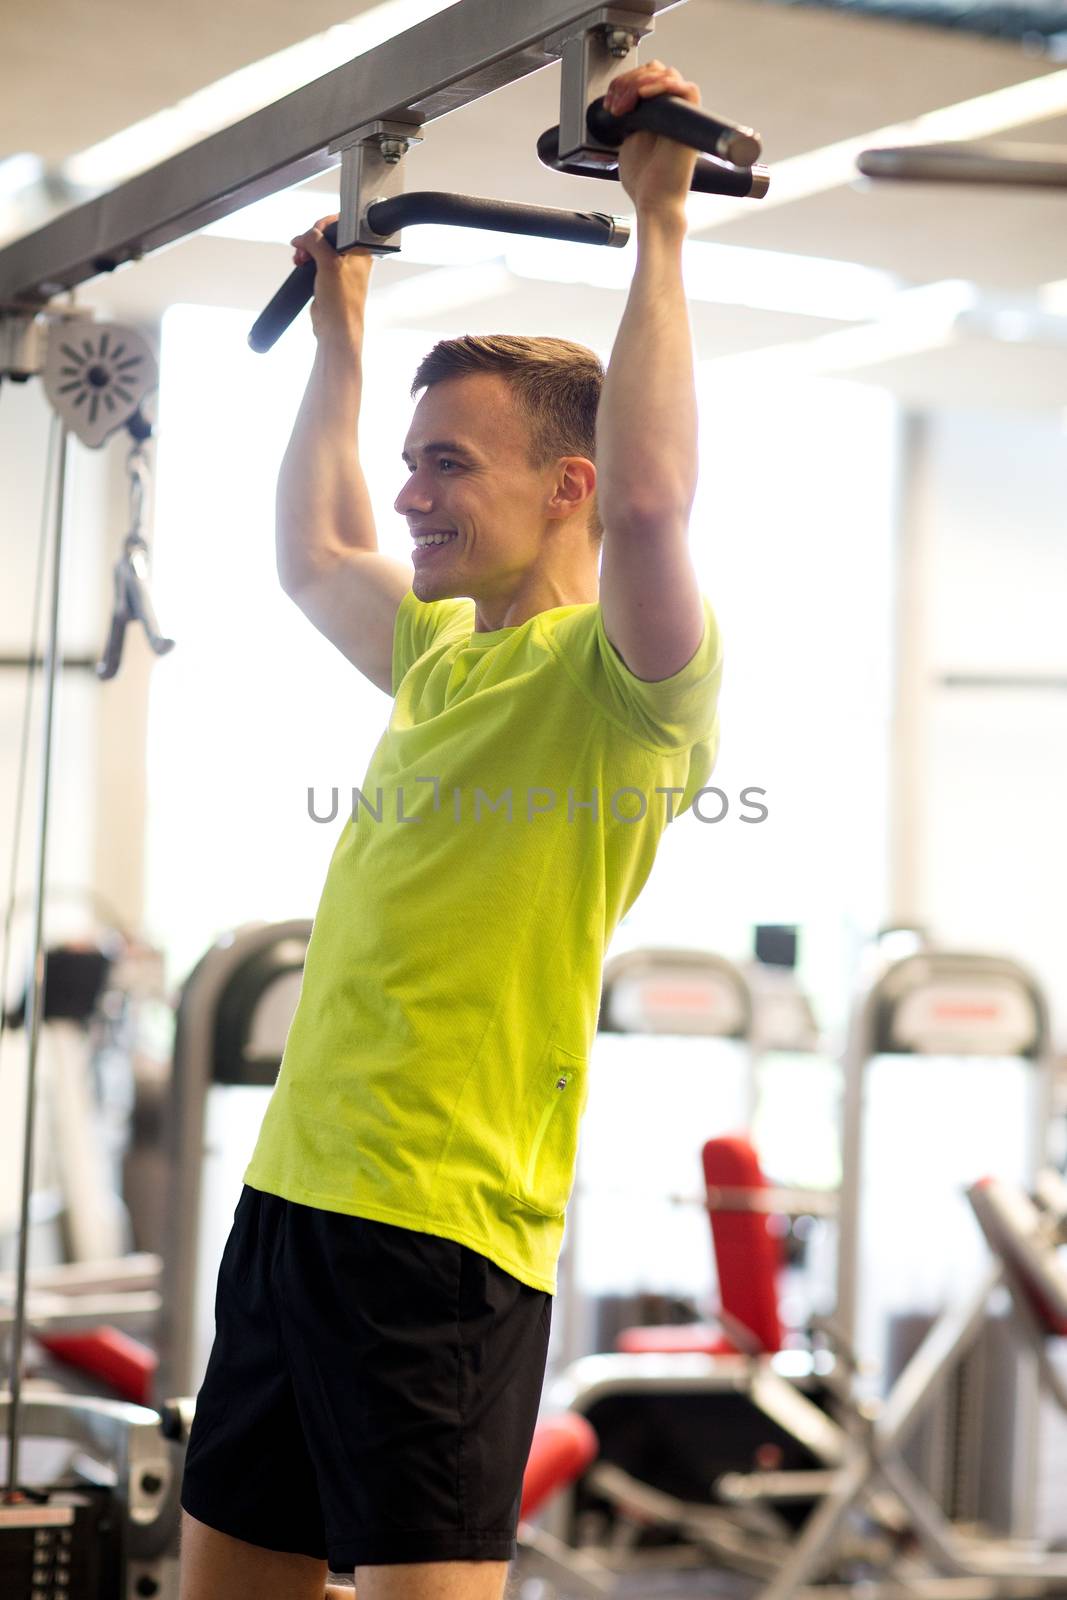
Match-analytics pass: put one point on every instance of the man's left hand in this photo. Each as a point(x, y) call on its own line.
point(656, 172)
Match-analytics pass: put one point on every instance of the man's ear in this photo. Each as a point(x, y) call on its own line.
point(575, 484)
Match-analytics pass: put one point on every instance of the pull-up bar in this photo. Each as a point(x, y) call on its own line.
point(441, 64)
point(372, 222)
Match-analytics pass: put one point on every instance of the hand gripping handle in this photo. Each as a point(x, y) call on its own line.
point(677, 119)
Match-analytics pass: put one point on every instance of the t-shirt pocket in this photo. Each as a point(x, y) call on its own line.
point(541, 1174)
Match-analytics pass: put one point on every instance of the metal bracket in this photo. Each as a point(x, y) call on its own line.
point(593, 52)
point(372, 169)
point(21, 342)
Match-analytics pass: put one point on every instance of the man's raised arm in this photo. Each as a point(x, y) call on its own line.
point(326, 541)
point(647, 421)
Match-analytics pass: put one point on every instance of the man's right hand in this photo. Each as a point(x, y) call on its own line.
point(341, 282)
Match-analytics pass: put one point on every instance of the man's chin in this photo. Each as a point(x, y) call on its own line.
point(425, 588)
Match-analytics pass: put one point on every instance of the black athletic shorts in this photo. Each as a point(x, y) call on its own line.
point(371, 1393)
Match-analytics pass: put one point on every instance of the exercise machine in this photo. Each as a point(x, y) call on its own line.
point(933, 1555)
point(928, 1025)
point(675, 1406)
point(682, 1410)
point(703, 1031)
point(947, 1072)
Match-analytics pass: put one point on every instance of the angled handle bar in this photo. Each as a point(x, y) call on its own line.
point(426, 205)
point(675, 119)
point(709, 176)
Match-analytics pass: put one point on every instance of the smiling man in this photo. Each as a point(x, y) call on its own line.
point(384, 1300)
point(483, 470)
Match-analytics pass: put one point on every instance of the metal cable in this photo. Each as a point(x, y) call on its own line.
point(51, 458)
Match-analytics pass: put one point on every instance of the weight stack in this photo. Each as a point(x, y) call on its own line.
point(61, 1545)
point(965, 1450)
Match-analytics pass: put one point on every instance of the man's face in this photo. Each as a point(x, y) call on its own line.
point(465, 454)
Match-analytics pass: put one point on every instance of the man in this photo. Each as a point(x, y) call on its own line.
point(384, 1300)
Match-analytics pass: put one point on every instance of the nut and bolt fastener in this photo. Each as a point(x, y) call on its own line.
point(620, 42)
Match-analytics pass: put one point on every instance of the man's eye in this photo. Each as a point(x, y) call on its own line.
point(441, 461)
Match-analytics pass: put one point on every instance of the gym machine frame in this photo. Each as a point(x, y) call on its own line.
point(934, 1002)
point(944, 1002)
point(1024, 1239)
point(438, 66)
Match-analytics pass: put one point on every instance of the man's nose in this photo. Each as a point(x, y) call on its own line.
point(410, 495)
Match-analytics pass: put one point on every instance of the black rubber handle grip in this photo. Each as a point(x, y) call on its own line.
point(497, 216)
point(709, 176)
point(290, 299)
point(677, 119)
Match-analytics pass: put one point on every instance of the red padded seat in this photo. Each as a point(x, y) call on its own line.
point(562, 1448)
point(128, 1366)
point(747, 1260)
point(679, 1339)
point(748, 1257)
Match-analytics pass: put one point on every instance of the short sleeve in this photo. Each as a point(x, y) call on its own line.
point(674, 713)
point(422, 623)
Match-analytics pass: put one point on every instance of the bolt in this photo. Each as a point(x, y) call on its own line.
point(393, 149)
point(620, 42)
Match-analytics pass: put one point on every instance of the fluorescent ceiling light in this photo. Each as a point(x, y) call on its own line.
point(20, 178)
point(834, 165)
point(240, 93)
point(449, 289)
point(926, 318)
point(18, 172)
point(766, 280)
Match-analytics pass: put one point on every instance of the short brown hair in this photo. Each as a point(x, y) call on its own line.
point(556, 386)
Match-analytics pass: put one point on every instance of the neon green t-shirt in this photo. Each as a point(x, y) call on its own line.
point(434, 1074)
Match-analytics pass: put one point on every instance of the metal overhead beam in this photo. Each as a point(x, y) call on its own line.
point(429, 70)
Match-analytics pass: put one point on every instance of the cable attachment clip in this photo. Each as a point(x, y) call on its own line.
point(132, 602)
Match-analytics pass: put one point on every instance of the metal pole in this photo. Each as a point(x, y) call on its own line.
point(855, 1062)
point(1021, 166)
point(18, 1337)
point(1028, 1387)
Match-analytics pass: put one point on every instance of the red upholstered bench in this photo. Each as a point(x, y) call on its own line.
point(127, 1365)
point(562, 1448)
point(747, 1259)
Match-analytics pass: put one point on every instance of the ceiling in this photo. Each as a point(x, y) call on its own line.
point(70, 75)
